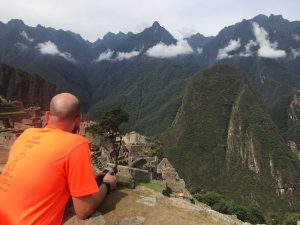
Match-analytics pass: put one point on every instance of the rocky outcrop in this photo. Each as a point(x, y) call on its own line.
point(144, 206)
point(293, 136)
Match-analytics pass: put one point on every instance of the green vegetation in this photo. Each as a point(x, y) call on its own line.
point(217, 202)
point(149, 90)
point(108, 125)
point(153, 186)
point(110, 121)
point(10, 113)
point(156, 148)
point(244, 164)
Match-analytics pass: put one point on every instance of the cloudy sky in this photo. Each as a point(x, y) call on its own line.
point(94, 18)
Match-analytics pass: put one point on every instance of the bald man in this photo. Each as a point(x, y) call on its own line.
point(48, 165)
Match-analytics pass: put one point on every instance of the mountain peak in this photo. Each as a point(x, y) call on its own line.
point(275, 16)
point(16, 23)
point(260, 17)
point(155, 24)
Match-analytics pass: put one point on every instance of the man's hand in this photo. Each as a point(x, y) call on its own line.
point(84, 206)
point(112, 180)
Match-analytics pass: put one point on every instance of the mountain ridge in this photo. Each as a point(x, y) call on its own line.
point(227, 143)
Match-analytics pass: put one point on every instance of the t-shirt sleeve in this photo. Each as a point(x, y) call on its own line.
point(81, 180)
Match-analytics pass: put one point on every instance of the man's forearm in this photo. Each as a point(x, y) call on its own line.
point(85, 206)
point(99, 197)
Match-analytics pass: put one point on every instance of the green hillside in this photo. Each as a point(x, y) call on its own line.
point(223, 140)
point(286, 114)
point(149, 90)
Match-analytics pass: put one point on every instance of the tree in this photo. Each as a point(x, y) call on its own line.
point(109, 125)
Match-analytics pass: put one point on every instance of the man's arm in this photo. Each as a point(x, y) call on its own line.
point(86, 205)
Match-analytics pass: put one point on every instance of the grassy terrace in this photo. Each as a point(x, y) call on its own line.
point(152, 186)
point(11, 113)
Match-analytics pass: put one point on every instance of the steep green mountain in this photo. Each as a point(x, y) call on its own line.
point(286, 114)
point(149, 89)
point(223, 140)
point(30, 89)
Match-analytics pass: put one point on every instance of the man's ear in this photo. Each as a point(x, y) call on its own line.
point(78, 120)
point(47, 115)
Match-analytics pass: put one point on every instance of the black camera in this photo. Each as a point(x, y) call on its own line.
point(99, 179)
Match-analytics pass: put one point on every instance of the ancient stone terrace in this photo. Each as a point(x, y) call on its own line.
point(13, 123)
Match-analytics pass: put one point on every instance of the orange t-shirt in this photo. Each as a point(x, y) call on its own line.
point(45, 166)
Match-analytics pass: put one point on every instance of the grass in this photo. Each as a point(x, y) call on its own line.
point(11, 113)
point(153, 186)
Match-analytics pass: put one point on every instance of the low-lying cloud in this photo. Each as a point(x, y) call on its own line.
point(248, 49)
point(266, 48)
point(108, 55)
point(104, 56)
point(233, 45)
point(199, 51)
point(49, 48)
point(126, 55)
point(296, 37)
point(21, 46)
point(162, 50)
point(295, 52)
point(24, 35)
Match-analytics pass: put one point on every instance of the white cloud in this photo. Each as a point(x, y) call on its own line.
point(248, 49)
point(104, 56)
point(24, 34)
point(199, 51)
point(295, 52)
point(162, 50)
point(296, 37)
point(267, 49)
point(120, 56)
point(49, 48)
point(233, 45)
point(126, 55)
point(21, 46)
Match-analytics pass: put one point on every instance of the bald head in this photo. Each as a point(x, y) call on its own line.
point(64, 107)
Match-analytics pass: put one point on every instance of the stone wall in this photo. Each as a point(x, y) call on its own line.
point(134, 138)
point(7, 138)
point(34, 112)
point(169, 174)
point(136, 174)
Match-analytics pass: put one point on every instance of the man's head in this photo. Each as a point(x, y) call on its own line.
point(64, 112)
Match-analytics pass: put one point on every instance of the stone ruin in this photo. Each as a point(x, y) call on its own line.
point(14, 119)
point(134, 162)
point(12, 124)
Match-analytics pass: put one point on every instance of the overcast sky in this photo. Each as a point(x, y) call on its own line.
point(94, 18)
